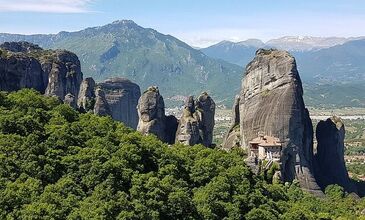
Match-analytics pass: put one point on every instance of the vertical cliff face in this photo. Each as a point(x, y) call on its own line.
point(25, 65)
point(205, 107)
point(271, 101)
point(232, 138)
point(101, 106)
point(20, 71)
point(330, 164)
point(64, 73)
point(86, 99)
point(122, 96)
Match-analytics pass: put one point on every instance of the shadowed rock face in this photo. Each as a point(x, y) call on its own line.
point(330, 163)
point(101, 106)
point(122, 96)
point(151, 112)
point(271, 102)
point(86, 99)
point(25, 65)
point(232, 138)
point(20, 71)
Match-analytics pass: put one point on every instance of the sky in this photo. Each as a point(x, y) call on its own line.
point(199, 23)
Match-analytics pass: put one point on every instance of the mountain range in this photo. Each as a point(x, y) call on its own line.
point(147, 57)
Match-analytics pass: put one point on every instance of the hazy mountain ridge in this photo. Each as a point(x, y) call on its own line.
point(145, 56)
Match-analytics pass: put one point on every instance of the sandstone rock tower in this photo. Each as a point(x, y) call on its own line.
point(197, 121)
point(271, 101)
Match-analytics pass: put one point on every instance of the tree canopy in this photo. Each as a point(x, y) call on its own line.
point(57, 163)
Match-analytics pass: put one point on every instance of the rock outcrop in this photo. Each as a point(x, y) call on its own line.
point(86, 99)
point(232, 138)
point(70, 100)
point(64, 73)
point(101, 106)
point(188, 129)
point(122, 96)
point(205, 107)
point(20, 71)
point(271, 101)
point(330, 164)
point(52, 72)
point(151, 112)
point(197, 121)
point(152, 118)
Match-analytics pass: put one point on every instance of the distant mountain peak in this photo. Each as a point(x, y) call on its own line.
point(124, 22)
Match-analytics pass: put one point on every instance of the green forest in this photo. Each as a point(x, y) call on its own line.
point(57, 163)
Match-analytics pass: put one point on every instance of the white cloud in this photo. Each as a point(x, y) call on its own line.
point(46, 6)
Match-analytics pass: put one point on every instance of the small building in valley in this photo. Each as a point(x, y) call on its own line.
point(266, 148)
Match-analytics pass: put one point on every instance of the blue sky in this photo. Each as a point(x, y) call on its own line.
point(197, 22)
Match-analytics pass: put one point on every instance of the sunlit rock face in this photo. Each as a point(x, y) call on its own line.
point(151, 112)
point(197, 121)
point(271, 101)
point(86, 99)
point(52, 72)
point(122, 96)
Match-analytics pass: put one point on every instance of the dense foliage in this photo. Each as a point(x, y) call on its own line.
point(58, 164)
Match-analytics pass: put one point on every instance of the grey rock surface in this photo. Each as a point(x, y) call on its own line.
point(64, 73)
point(151, 112)
point(205, 107)
point(232, 138)
point(52, 72)
point(197, 121)
point(330, 163)
point(19, 71)
point(86, 99)
point(188, 129)
point(101, 106)
point(122, 96)
point(70, 100)
point(271, 101)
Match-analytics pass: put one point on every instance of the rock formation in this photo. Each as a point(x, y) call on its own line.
point(330, 164)
point(25, 65)
point(122, 96)
point(232, 138)
point(197, 121)
point(86, 99)
point(171, 128)
point(70, 100)
point(101, 106)
point(205, 107)
point(188, 129)
point(152, 119)
point(151, 112)
point(64, 73)
point(271, 101)
point(20, 71)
